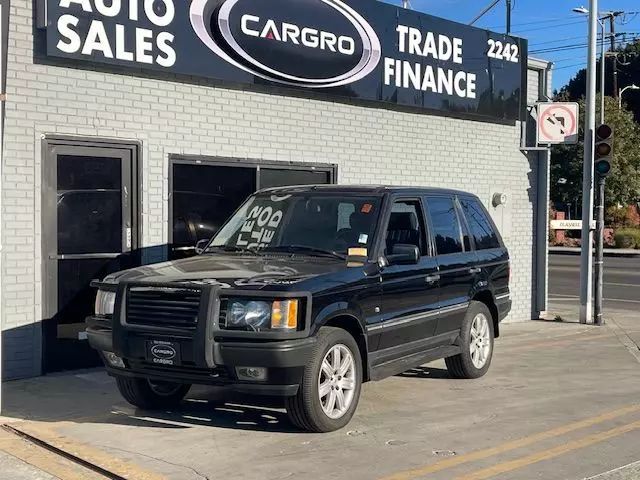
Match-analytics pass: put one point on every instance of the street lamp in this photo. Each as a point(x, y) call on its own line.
point(628, 87)
point(585, 11)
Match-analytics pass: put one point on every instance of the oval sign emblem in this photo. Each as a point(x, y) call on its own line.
point(163, 352)
point(308, 43)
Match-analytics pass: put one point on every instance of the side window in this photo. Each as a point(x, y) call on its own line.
point(446, 228)
point(480, 226)
point(406, 225)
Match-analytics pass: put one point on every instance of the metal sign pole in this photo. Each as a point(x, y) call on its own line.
point(599, 262)
point(586, 259)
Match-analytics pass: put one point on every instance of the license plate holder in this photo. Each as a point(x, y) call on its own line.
point(163, 352)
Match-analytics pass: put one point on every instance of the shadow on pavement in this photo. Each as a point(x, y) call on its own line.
point(92, 397)
point(426, 372)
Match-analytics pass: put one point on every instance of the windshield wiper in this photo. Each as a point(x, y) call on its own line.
point(306, 249)
point(234, 248)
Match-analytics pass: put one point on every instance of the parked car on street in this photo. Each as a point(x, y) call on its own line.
point(306, 293)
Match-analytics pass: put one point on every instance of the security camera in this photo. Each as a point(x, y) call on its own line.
point(499, 199)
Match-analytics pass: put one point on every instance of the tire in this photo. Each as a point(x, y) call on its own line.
point(305, 409)
point(465, 364)
point(141, 393)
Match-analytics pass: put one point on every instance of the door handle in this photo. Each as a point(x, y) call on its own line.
point(432, 278)
point(475, 270)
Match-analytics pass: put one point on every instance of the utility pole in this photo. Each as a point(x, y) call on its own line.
point(612, 32)
point(603, 63)
point(508, 17)
point(586, 259)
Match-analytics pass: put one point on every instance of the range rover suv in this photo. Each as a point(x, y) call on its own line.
point(306, 293)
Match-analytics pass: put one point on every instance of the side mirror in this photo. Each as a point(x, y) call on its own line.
point(404, 254)
point(201, 245)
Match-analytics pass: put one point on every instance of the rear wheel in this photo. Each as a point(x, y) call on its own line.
point(476, 340)
point(151, 395)
point(330, 389)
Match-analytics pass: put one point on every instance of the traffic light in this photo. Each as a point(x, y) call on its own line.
point(603, 149)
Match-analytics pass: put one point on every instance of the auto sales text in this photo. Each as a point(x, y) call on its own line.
point(421, 76)
point(113, 40)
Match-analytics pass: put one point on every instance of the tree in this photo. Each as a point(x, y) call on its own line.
point(628, 73)
point(623, 183)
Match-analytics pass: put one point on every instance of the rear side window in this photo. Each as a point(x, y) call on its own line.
point(446, 228)
point(481, 228)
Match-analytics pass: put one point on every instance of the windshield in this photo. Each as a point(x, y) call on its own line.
point(301, 222)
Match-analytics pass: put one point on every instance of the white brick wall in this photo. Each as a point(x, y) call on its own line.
point(370, 145)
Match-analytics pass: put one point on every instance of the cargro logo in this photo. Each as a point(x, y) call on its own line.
point(308, 43)
point(163, 352)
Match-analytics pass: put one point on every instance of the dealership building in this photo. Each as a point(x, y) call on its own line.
point(133, 128)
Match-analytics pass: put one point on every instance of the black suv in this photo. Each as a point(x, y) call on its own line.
point(306, 292)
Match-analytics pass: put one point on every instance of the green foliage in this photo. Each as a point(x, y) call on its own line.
point(628, 74)
point(623, 183)
point(627, 238)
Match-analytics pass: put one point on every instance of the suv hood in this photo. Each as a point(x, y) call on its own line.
point(232, 270)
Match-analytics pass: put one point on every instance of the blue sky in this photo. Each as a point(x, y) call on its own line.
point(547, 24)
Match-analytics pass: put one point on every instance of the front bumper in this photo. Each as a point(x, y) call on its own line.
point(204, 352)
point(284, 360)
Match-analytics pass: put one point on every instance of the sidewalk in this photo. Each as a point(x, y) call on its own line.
point(560, 401)
point(23, 460)
point(608, 252)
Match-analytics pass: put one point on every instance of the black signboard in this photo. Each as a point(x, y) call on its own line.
point(361, 49)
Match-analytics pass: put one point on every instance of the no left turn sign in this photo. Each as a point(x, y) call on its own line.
point(558, 123)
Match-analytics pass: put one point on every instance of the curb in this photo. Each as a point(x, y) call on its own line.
point(607, 252)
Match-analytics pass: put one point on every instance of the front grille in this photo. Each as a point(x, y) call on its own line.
point(175, 307)
point(222, 314)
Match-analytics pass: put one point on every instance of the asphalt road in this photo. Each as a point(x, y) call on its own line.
point(621, 280)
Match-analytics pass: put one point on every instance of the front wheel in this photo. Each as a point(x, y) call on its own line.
point(151, 395)
point(330, 389)
point(476, 341)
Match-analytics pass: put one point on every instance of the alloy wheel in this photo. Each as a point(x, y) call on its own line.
point(337, 381)
point(480, 344)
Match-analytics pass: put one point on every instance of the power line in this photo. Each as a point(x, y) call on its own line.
point(580, 20)
point(562, 48)
point(583, 64)
point(557, 40)
point(574, 46)
point(537, 22)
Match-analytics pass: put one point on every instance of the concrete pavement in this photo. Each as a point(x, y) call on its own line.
point(561, 401)
point(626, 472)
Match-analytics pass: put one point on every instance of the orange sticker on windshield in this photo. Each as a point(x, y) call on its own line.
point(366, 208)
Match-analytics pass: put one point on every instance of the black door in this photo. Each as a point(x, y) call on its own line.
point(409, 292)
point(456, 262)
point(88, 223)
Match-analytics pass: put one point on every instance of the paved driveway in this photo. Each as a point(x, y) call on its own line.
point(560, 401)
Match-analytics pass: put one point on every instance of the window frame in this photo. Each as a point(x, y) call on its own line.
point(456, 207)
point(182, 159)
point(387, 209)
point(489, 220)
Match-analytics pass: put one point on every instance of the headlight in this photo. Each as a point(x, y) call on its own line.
point(105, 302)
point(260, 315)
